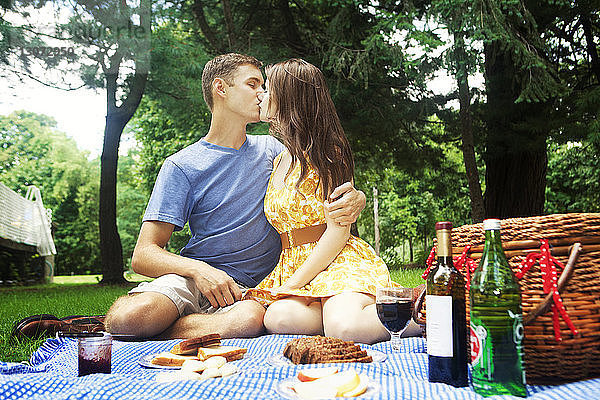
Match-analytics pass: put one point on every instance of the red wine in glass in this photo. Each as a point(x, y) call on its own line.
point(394, 309)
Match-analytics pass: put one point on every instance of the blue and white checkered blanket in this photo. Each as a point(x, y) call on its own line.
point(52, 374)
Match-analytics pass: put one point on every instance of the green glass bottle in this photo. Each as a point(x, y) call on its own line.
point(496, 321)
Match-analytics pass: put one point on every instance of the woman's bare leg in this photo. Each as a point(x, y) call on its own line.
point(294, 315)
point(352, 316)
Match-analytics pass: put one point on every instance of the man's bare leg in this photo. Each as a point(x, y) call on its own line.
point(152, 314)
point(142, 314)
point(245, 319)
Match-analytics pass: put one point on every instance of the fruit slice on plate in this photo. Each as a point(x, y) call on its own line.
point(307, 375)
point(360, 388)
point(329, 386)
point(314, 390)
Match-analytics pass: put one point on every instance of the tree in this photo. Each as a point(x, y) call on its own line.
point(35, 153)
point(113, 43)
point(573, 179)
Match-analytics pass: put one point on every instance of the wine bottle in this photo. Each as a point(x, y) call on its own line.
point(496, 321)
point(447, 346)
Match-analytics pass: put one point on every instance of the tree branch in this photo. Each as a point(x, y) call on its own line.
point(28, 75)
point(228, 21)
point(590, 44)
point(136, 91)
point(198, 11)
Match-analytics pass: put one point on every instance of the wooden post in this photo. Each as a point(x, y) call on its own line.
point(376, 218)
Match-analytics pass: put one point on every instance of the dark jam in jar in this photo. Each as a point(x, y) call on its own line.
point(94, 366)
point(94, 354)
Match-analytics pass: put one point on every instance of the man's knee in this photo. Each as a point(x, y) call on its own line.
point(253, 315)
point(143, 315)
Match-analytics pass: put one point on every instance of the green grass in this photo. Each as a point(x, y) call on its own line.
point(91, 279)
point(408, 277)
point(58, 299)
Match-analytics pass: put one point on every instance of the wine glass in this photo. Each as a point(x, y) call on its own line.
point(394, 309)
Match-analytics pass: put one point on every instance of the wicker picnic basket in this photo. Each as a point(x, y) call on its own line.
point(546, 359)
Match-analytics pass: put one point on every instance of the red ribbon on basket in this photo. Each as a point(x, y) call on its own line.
point(462, 262)
point(548, 265)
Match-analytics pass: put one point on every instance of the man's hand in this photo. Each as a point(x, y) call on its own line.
point(151, 259)
point(346, 209)
point(218, 287)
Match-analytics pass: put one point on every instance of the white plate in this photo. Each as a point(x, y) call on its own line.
point(284, 389)
point(278, 360)
point(146, 361)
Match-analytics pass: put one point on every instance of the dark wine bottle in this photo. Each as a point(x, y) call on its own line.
point(447, 346)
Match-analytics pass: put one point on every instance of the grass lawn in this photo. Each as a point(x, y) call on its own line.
point(59, 299)
point(74, 295)
point(408, 277)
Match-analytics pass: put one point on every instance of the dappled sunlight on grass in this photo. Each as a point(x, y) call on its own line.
point(407, 277)
point(90, 279)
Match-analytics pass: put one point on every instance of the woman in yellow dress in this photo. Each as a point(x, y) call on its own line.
point(326, 286)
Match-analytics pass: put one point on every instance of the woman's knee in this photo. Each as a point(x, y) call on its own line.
point(277, 318)
point(343, 327)
point(350, 316)
point(294, 317)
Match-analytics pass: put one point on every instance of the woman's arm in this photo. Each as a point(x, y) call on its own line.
point(328, 247)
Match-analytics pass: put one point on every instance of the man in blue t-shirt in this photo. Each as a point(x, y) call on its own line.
point(217, 185)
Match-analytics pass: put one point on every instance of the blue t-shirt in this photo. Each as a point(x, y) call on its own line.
point(220, 191)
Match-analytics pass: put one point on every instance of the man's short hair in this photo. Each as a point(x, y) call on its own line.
point(223, 66)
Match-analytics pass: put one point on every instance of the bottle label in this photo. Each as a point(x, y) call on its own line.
point(439, 326)
point(478, 336)
point(483, 350)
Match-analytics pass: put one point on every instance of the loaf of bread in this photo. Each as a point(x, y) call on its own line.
point(191, 346)
point(320, 349)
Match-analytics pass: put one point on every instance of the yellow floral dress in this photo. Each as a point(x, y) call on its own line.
point(356, 268)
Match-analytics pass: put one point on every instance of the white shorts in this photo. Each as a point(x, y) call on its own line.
point(184, 293)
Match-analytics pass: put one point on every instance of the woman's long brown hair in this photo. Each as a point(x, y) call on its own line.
point(307, 123)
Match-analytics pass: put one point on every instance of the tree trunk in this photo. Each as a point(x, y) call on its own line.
point(410, 247)
point(516, 159)
point(466, 125)
point(111, 251)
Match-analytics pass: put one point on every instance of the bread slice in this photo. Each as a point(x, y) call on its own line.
point(167, 358)
point(231, 353)
point(190, 346)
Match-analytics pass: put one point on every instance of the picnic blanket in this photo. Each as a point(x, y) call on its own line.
point(51, 373)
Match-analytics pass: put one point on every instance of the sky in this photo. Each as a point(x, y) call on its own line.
point(80, 113)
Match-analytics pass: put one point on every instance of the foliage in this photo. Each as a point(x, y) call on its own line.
point(573, 179)
point(35, 153)
point(409, 206)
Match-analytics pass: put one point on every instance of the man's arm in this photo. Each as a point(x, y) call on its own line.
point(348, 207)
point(151, 259)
